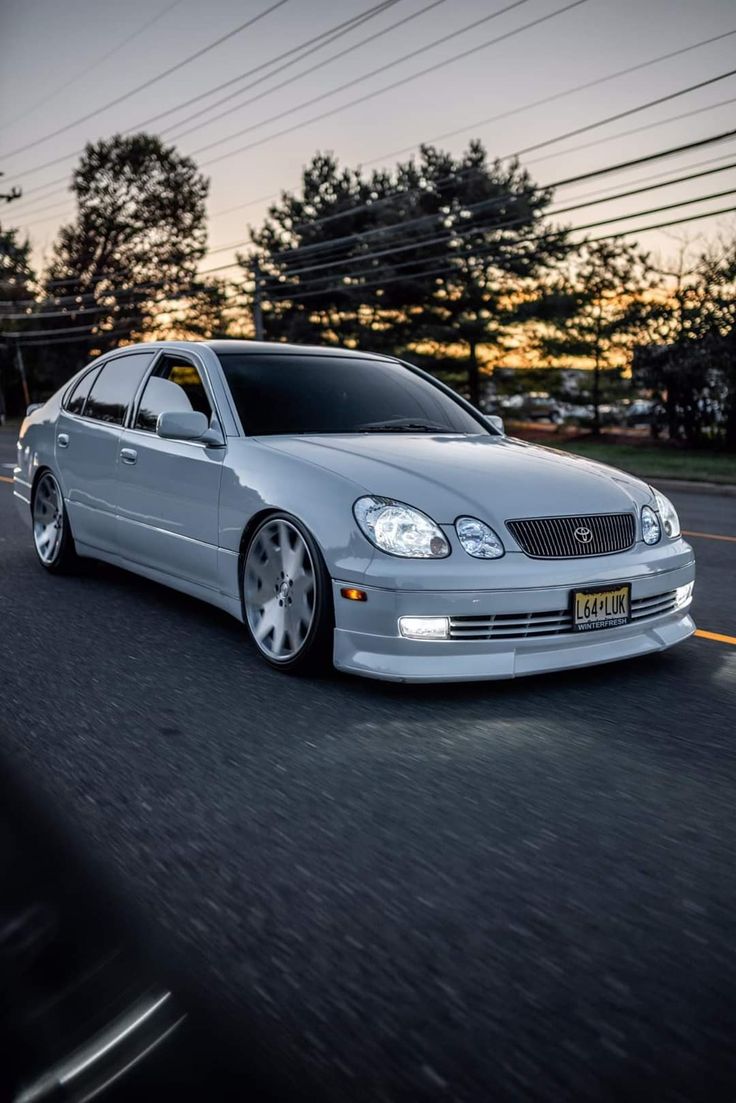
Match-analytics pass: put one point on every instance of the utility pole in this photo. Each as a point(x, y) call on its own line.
point(257, 311)
point(14, 193)
point(22, 373)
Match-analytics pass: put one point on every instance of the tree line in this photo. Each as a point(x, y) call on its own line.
point(453, 262)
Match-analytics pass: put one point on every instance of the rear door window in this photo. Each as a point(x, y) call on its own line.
point(75, 403)
point(114, 388)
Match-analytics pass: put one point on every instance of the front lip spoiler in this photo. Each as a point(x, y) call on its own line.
point(456, 661)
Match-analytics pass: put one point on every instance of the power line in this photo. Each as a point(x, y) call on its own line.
point(365, 76)
point(673, 151)
point(539, 145)
point(622, 165)
point(332, 111)
point(517, 110)
point(605, 170)
point(470, 228)
point(448, 269)
point(87, 69)
point(632, 130)
point(440, 271)
point(422, 243)
point(294, 77)
point(152, 80)
point(74, 303)
point(483, 205)
point(723, 136)
point(42, 187)
point(48, 207)
point(327, 37)
point(35, 343)
point(621, 114)
point(544, 100)
point(655, 176)
point(310, 46)
point(386, 88)
point(241, 206)
point(664, 225)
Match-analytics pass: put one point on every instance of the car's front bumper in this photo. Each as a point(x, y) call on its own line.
point(367, 639)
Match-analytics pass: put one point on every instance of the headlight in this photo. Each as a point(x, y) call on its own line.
point(478, 538)
point(400, 529)
point(667, 514)
point(650, 530)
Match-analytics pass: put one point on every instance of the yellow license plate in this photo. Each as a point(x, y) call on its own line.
point(601, 607)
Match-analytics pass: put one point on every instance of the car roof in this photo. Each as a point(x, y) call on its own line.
point(258, 347)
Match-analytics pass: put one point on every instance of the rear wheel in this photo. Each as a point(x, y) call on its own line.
point(52, 536)
point(286, 596)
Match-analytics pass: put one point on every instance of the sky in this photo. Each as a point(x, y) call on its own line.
point(61, 61)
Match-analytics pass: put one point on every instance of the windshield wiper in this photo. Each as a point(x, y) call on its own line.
point(402, 425)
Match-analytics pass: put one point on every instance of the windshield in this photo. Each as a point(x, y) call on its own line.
point(338, 394)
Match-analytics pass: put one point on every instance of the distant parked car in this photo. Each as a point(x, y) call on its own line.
point(640, 412)
point(576, 413)
point(348, 507)
point(540, 406)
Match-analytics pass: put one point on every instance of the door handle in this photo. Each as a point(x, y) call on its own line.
point(62, 440)
point(128, 455)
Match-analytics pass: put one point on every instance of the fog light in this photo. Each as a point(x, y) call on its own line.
point(684, 595)
point(424, 628)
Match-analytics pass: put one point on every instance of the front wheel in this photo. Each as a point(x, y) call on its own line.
point(52, 537)
point(287, 597)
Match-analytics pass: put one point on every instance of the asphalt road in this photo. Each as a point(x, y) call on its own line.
point(508, 891)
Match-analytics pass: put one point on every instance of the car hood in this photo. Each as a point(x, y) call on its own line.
point(493, 478)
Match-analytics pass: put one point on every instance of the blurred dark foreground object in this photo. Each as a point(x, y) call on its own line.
point(83, 1014)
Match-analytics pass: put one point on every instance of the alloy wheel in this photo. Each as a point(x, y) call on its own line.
point(48, 518)
point(280, 590)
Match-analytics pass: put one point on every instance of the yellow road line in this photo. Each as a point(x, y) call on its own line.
point(715, 636)
point(710, 536)
point(5, 479)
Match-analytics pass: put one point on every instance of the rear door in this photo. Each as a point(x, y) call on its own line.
point(168, 491)
point(88, 435)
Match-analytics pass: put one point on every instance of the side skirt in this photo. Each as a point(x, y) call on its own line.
point(203, 593)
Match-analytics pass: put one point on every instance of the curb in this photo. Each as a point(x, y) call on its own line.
point(725, 490)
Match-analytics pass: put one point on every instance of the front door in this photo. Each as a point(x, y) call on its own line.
point(168, 491)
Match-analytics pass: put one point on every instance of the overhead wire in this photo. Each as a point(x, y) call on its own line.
point(555, 96)
point(379, 91)
point(331, 244)
point(621, 114)
point(503, 225)
point(84, 71)
point(18, 335)
point(151, 80)
point(449, 268)
point(296, 76)
point(330, 35)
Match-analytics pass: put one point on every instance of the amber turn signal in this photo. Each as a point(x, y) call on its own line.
point(352, 594)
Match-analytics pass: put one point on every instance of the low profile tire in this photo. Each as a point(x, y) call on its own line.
point(287, 597)
point(52, 536)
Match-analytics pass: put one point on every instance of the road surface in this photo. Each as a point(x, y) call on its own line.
point(505, 891)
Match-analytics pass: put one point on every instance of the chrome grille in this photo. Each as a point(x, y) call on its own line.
point(517, 626)
point(554, 537)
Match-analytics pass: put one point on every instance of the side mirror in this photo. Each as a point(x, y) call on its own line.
point(181, 425)
point(496, 422)
point(33, 407)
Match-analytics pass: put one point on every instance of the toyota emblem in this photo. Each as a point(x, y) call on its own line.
point(583, 535)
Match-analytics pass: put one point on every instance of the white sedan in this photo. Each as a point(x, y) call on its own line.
point(347, 507)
